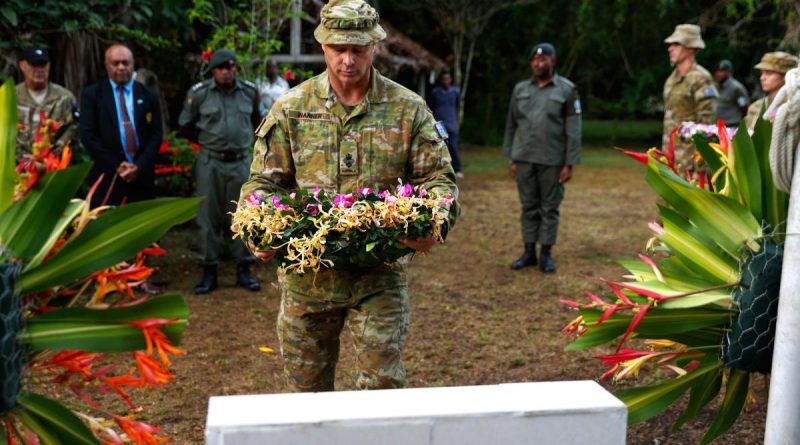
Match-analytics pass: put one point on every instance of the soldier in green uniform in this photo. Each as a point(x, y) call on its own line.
point(689, 92)
point(220, 114)
point(774, 67)
point(543, 142)
point(733, 98)
point(36, 94)
point(344, 129)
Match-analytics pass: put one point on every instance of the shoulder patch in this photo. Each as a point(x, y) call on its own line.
point(741, 101)
point(709, 92)
point(441, 130)
point(577, 106)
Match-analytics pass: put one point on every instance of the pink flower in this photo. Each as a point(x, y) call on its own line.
point(345, 201)
point(312, 209)
point(276, 202)
point(254, 199)
point(316, 193)
point(405, 191)
point(422, 192)
point(390, 198)
point(365, 191)
point(293, 195)
point(383, 194)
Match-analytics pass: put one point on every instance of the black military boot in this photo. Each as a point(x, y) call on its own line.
point(244, 279)
point(209, 280)
point(546, 264)
point(527, 259)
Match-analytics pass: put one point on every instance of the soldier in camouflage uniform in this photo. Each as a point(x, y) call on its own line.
point(774, 67)
point(689, 92)
point(220, 114)
point(543, 143)
point(37, 94)
point(347, 128)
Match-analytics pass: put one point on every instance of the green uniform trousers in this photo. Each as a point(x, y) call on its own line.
point(309, 327)
point(540, 194)
point(220, 183)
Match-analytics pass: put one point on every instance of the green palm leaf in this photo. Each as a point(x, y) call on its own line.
point(28, 223)
point(113, 237)
point(8, 141)
point(732, 404)
point(56, 420)
point(104, 330)
point(775, 202)
point(747, 171)
point(644, 403)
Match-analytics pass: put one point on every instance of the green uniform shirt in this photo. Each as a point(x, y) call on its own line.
point(223, 118)
point(691, 97)
point(544, 123)
point(58, 104)
point(309, 139)
point(732, 98)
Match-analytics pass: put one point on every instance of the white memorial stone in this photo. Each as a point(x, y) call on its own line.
point(563, 413)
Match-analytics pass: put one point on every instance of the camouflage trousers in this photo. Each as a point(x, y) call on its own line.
point(309, 330)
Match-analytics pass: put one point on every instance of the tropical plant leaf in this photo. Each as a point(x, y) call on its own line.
point(113, 237)
point(31, 422)
point(8, 141)
point(703, 391)
point(657, 324)
point(72, 211)
point(26, 225)
point(699, 338)
point(710, 156)
point(645, 402)
point(104, 330)
point(732, 404)
point(774, 201)
point(746, 169)
point(705, 210)
point(57, 419)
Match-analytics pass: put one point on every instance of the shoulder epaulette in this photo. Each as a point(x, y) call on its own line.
point(566, 82)
point(196, 86)
point(249, 84)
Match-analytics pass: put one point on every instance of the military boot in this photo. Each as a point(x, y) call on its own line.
point(546, 264)
point(209, 280)
point(527, 259)
point(244, 279)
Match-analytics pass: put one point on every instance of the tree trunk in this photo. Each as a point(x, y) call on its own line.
point(467, 70)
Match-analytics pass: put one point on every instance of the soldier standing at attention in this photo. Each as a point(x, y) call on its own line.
point(37, 94)
point(774, 67)
point(344, 129)
point(689, 92)
point(543, 142)
point(733, 97)
point(220, 114)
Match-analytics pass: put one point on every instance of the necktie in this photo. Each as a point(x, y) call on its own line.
point(129, 137)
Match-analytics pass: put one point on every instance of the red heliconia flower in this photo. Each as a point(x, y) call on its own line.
point(139, 432)
point(288, 74)
point(156, 338)
point(642, 158)
point(153, 373)
point(165, 148)
point(206, 55)
point(722, 133)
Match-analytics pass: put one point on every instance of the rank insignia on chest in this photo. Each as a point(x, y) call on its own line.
point(441, 130)
point(348, 158)
point(148, 117)
point(349, 161)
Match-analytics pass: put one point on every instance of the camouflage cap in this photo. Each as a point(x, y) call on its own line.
point(779, 61)
point(688, 36)
point(348, 22)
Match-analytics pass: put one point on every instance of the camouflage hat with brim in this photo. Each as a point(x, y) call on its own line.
point(778, 61)
point(688, 36)
point(348, 22)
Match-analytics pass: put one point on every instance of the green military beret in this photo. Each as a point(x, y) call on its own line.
point(778, 61)
point(543, 48)
point(348, 22)
point(221, 57)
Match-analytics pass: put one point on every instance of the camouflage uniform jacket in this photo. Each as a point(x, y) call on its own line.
point(691, 97)
point(310, 139)
point(59, 104)
point(754, 110)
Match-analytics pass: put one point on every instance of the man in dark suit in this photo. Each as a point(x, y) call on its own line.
point(120, 126)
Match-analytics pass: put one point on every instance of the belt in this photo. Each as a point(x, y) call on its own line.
point(228, 156)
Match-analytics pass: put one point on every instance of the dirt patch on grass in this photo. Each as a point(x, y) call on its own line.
point(473, 320)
